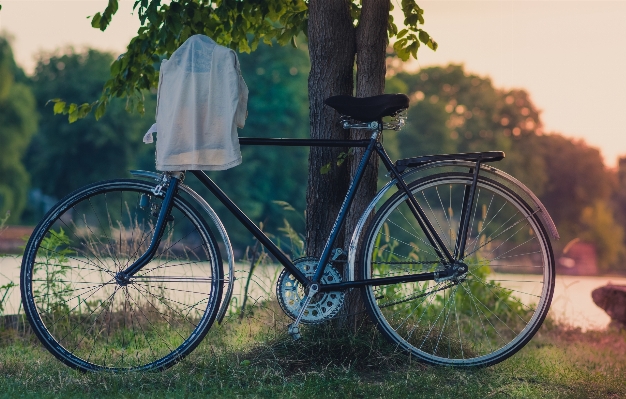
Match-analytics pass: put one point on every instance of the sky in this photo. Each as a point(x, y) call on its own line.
point(569, 55)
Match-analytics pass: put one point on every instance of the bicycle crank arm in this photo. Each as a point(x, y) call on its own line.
point(293, 328)
point(123, 277)
point(446, 274)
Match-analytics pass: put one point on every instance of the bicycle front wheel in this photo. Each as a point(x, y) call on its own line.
point(486, 315)
point(89, 321)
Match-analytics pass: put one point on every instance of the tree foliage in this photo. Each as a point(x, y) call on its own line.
point(18, 122)
point(62, 156)
point(240, 25)
point(576, 180)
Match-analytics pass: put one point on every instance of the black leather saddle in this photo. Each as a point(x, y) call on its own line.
point(368, 109)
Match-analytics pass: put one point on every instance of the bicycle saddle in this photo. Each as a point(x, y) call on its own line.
point(368, 109)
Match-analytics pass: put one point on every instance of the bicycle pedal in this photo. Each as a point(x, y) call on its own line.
point(294, 331)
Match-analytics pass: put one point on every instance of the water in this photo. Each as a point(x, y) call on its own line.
point(572, 301)
point(571, 304)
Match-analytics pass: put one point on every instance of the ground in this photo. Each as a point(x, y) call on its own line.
point(256, 358)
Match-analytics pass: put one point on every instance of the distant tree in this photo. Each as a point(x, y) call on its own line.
point(598, 226)
point(18, 122)
point(619, 196)
point(577, 180)
point(64, 156)
point(456, 111)
point(618, 200)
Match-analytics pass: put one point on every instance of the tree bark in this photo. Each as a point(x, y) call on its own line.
point(371, 46)
point(331, 49)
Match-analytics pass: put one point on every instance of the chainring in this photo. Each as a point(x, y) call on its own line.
point(290, 293)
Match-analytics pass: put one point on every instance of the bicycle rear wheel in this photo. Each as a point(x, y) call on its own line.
point(482, 318)
point(90, 322)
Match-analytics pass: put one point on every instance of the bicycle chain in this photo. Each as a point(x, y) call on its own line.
point(402, 300)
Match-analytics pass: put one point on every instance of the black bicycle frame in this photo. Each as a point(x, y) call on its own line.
point(370, 146)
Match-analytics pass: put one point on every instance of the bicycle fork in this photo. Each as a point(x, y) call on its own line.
point(123, 277)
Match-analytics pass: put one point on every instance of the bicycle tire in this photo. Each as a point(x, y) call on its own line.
point(89, 321)
point(504, 297)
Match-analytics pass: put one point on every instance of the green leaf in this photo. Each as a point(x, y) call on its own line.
point(325, 169)
point(116, 67)
point(402, 33)
point(243, 46)
point(411, 20)
point(424, 37)
point(84, 110)
point(59, 107)
point(105, 18)
point(401, 49)
point(140, 107)
point(413, 48)
point(73, 117)
point(95, 22)
point(152, 13)
point(100, 110)
point(392, 29)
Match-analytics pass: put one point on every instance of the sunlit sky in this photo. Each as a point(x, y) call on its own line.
point(570, 55)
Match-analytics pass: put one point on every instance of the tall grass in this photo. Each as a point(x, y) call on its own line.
point(254, 357)
point(6, 288)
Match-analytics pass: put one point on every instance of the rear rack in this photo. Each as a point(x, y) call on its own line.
point(489, 156)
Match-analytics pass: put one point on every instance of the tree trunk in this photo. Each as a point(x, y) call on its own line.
point(331, 49)
point(371, 45)
point(333, 43)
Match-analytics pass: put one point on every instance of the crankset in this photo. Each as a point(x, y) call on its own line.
point(292, 296)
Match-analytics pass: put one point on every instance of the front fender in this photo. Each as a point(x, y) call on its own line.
point(220, 227)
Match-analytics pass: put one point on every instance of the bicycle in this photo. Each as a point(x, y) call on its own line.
point(128, 275)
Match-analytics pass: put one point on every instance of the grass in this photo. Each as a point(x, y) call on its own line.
point(255, 358)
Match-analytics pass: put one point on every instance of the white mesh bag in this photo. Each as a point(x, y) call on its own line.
point(201, 101)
